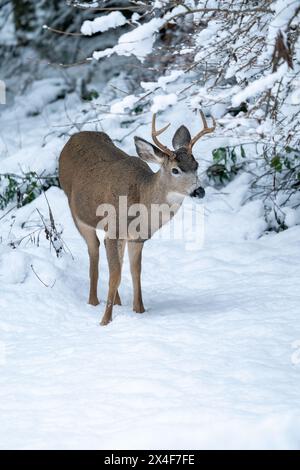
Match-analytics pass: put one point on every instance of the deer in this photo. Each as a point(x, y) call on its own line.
point(93, 171)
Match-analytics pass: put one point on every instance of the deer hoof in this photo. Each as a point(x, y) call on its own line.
point(139, 308)
point(94, 302)
point(105, 321)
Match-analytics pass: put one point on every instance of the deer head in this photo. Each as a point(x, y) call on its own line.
point(178, 166)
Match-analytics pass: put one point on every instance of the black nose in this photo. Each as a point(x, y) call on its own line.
point(199, 192)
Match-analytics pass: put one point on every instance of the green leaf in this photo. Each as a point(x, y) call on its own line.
point(91, 95)
point(138, 109)
point(276, 163)
point(287, 163)
point(219, 154)
point(233, 156)
point(243, 154)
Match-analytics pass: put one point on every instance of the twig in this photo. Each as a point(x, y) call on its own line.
point(46, 285)
point(58, 31)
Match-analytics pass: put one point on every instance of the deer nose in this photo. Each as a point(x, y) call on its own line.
point(199, 193)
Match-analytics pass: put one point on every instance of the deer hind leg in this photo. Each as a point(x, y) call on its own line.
point(117, 299)
point(113, 249)
point(92, 241)
point(135, 257)
point(121, 249)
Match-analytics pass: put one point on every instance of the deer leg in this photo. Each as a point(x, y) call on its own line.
point(117, 299)
point(94, 271)
point(121, 249)
point(92, 241)
point(135, 258)
point(114, 264)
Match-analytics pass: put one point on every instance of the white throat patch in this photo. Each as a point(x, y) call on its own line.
point(175, 198)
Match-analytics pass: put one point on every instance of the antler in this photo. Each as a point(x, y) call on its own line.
point(205, 130)
point(156, 133)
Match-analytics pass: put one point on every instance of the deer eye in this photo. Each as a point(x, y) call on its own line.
point(175, 171)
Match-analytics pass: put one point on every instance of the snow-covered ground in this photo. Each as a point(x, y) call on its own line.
point(213, 363)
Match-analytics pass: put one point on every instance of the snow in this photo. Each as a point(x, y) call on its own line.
point(161, 102)
point(103, 23)
point(33, 159)
point(284, 11)
point(138, 42)
point(213, 363)
point(186, 51)
point(39, 94)
point(16, 262)
point(292, 216)
point(295, 358)
point(121, 106)
point(163, 81)
point(157, 4)
point(2, 92)
point(261, 84)
point(206, 34)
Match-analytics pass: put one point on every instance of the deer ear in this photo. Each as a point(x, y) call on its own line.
point(148, 152)
point(182, 138)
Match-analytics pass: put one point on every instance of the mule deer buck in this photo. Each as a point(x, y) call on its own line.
point(93, 171)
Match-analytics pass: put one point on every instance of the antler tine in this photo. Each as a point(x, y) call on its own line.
point(203, 119)
point(156, 133)
point(205, 130)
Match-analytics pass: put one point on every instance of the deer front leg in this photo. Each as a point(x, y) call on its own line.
point(121, 249)
point(114, 264)
point(135, 258)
